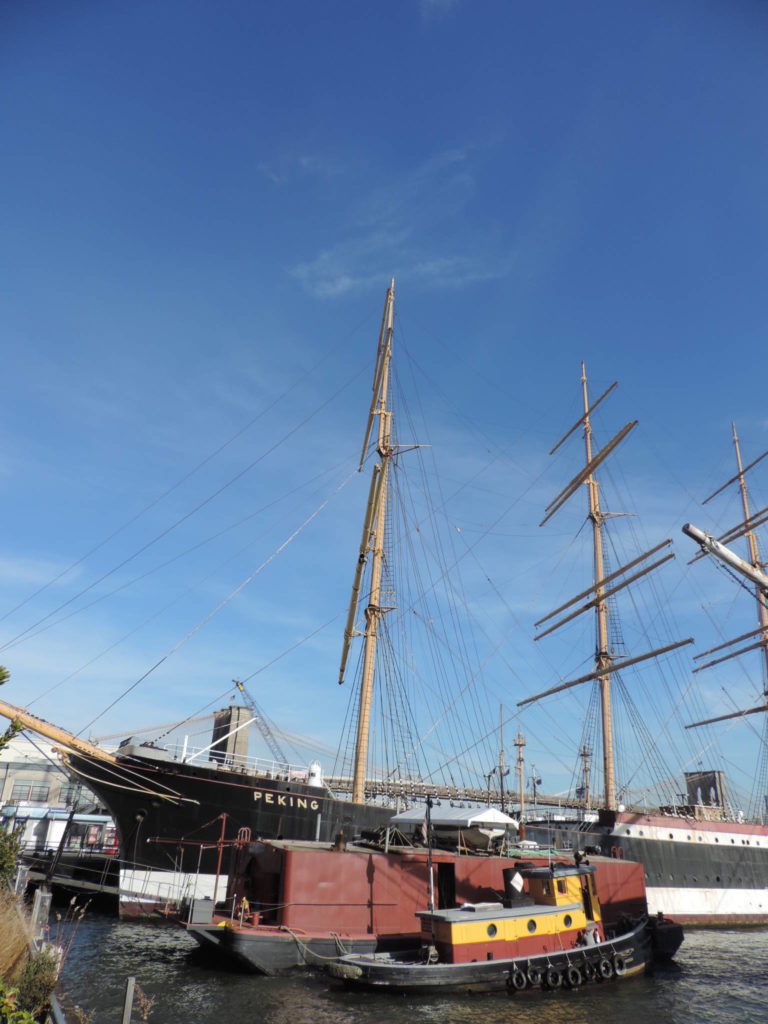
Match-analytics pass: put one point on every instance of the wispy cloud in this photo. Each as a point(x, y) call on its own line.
point(425, 202)
point(290, 166)
point(434, 10)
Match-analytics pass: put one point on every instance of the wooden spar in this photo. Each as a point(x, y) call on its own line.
point(581, 419)
point(606, 594)
point(733, 479)
point(733, 654)
point(385, 333)
point(53, 732)
point(349, 629)
point(570, 489)
point(729, 643)
point(616, 666)
point(732, 714)
point(374, 610)
point(755, 520)
point(754, 556)
point(603, 658)
point(608, 579)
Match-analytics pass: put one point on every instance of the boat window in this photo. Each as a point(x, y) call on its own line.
point(716, 839)
point(545, 888)
point(492, 929)
point(567, 921)
point(561, 885)
point(531, 926)
point(671, 836)
point(641, 832)
point(629, 832)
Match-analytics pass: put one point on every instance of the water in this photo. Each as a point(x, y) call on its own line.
point(720, 977)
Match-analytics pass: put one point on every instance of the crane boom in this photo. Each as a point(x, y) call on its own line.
point(262, 725)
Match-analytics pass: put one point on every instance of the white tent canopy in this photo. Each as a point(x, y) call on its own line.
point(456, 817)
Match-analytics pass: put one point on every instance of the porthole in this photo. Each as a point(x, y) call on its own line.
point(531, 926)
point(689, 839)
point(567, 921)
point(671, 836)
point(717, 878)
point(641, 832)
point(492, 929)
point(716, 839)
point(733, 841)
point(699, 838)
point(629, 833)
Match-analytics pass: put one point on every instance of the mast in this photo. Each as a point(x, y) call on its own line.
point(585, 754)
point(372, 543)
point(602, 655)
point(520, 743)
point(754, 557)
point(501, 756)
point(603, 587)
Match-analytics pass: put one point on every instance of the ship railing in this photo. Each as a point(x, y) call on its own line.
point(238, 763)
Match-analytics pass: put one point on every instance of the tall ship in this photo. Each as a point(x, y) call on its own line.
point(706, 862)
point(178, 808)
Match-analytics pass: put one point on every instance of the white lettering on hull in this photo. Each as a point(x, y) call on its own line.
point(286, 800)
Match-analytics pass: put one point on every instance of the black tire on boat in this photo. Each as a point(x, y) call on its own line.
point(588, 970)
point(605, 969)
point(553, 978)
point(516, 981)
point(573, 976)
point(619, 965)
point(534, 975)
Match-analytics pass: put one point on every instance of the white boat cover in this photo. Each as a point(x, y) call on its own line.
point(456, 817)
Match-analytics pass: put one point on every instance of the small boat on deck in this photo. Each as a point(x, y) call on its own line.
point(554, 937)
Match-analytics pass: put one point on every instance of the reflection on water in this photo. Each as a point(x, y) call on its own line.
point(720, 977)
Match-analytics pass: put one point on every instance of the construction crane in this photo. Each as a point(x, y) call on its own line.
point(261, 723)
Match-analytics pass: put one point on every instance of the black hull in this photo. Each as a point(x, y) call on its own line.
point(627, 955)
point(156, 804)
point(282, 951)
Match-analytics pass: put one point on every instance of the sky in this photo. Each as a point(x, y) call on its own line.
point(203, 206)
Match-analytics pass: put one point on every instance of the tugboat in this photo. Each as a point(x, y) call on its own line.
point(551, 938)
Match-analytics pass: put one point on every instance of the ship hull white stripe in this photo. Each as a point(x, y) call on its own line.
point(708, 903)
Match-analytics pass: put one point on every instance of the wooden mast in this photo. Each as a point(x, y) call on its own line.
point(754, 557)
point(372, 543)
point(520, 743)
point(602, 655)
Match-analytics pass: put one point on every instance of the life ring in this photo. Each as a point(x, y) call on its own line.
point(534, 975)
point(605, 969)
point(573, 976)
point(553, 978)
point(619, 965)
point(588, 970)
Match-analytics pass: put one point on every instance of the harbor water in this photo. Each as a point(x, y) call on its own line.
point(719, 977)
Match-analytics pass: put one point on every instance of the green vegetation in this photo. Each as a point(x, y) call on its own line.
point(10, 1010)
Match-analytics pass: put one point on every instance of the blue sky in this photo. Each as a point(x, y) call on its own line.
point(203, 205)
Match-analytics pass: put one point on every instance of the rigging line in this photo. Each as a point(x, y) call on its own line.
point(222, 604)
point(298, 643)
point(174, 558)
point(155, 615)
point(193, 511)
point(186, 476)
